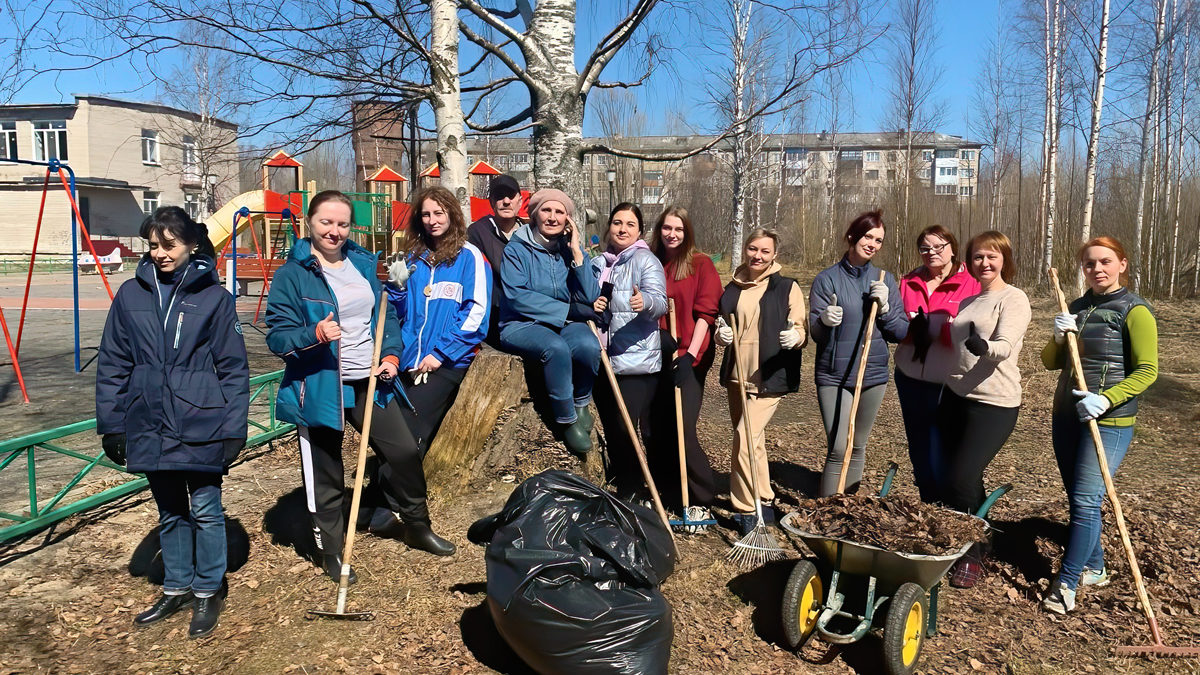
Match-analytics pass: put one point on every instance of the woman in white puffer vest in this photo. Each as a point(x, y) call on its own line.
point(633, 296)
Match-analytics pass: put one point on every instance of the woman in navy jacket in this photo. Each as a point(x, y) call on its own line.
point(440, 287)
point(321, 318)
point(172, 396)
point(839, 302)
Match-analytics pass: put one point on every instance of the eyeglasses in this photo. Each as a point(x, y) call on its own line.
point(928, 250)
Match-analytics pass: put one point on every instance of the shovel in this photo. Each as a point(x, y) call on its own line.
point(364, 437)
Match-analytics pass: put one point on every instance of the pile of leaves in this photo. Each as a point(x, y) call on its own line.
point(899, 523)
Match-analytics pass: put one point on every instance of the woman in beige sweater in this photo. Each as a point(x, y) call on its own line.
point(983, 391)
point(769, 310)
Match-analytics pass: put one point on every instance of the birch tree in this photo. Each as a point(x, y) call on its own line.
point(915, 76)
point(1148, 120)
point(1053, 39)
point(993, 98)
point(1185, 69)
point(1089, 197)
point(446, 98)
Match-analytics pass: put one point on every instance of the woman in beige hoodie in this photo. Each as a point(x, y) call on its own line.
point(768, 309)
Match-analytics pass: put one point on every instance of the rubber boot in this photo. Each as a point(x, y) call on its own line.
point(577, 438)
point(329, 533)
point(584, 415)
point(420, 535)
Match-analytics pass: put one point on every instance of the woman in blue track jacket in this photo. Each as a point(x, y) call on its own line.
point(440, 287)
point(321, 319)
point(172, 395)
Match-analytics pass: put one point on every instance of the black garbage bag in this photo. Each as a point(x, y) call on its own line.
point(573, 576)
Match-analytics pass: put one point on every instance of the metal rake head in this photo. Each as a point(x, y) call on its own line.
point(1159, 650)
point(756, 548)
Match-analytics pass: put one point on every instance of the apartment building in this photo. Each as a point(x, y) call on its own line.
point(129, 158)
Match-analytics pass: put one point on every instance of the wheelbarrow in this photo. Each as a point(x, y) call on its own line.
point(901, 594)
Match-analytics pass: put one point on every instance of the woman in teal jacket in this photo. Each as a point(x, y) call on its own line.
point(321, 318)
point(549, 289)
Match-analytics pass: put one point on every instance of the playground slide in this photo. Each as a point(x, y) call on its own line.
point(220, 223)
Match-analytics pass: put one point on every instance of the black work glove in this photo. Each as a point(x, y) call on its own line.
point(581, 311)
point(230, 448)
point(975, 344)
point(683, 369)
point(114, 447)
point(918, 328)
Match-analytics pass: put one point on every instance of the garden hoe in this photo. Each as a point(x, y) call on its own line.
point(686, 523)
point(759, 546)
point(1158, 648)
point(862, 368)
point(364, 437)
point(633, 436)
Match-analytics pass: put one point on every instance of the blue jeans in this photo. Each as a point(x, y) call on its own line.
point(570, 357)
point(918, 406)
point(191, 530)
point(1081, 476)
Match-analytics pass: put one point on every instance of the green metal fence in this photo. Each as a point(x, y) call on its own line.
point(44, 510)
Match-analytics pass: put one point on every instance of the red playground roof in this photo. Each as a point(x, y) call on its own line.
point(482, 168)
point(432, 172)
point(385, 174)
point(281, 158)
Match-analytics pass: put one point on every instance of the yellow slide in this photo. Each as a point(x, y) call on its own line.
point(220, 223)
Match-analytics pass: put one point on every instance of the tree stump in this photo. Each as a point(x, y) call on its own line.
point(469, 443)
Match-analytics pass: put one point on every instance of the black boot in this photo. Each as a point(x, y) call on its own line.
point(332, 562)
point(205, 615)
point(419, 535)
point(164, 607)
point(386, 525)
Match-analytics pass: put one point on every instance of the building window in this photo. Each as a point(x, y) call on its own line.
point(891, 175)
point(968, 172)
point(872, 174)
point(520, 158)
point(191, 204)
point(927, 155)
point(947, 170)
point(601, 160)
point(945, 154)
point(50, 141)
point(892, 156)
point(966, 191)
point(795, 155)
point(923, 173)
point(872, 156)
point(652, 195)
point(191, 158)
point(852, 155)
point(8, 140)
point(652, 177)
point(149, 202)
point(968, 155)
point(149, 146)
point(945, 189)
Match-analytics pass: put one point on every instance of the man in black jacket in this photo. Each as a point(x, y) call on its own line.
point(491, 234)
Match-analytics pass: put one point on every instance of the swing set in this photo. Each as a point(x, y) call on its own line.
point(66, 176)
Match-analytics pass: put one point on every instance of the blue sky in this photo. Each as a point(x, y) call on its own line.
point(964, 29)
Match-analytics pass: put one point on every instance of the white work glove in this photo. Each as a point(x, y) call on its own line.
point(789, 338)
point(724, 334)
point(398, 272)
point(879, 293)
point(418, 377)
point(832, 315)
point(1089, 406)
point(1064, 323)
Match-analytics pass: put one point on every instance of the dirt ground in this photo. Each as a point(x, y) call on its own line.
point(68, 595)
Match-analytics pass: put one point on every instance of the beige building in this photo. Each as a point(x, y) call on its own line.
point(129, 158)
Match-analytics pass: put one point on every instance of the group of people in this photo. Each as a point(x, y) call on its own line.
point(172, 377)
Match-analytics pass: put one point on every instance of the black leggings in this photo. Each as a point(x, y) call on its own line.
point(972, 434)
point(432, 400)
point(664, 446)
point(324, 473)
point(638, 391)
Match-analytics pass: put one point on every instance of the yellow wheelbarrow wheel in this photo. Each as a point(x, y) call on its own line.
point(904, 630)
point(803, 599)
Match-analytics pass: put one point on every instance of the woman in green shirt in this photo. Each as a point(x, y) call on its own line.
point(1118, 350)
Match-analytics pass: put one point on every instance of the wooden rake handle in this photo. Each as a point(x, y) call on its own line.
point(683, 487)
point(862, 368)
point(1102, 459)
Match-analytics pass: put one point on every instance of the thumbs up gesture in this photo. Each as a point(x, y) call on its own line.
point(328, 330)
point(636, 302)
point(975, 344)
point(832, 314)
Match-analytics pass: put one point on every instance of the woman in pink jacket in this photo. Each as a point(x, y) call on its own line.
point(931, 294)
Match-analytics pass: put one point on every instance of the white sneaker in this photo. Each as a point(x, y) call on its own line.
point(1061, 599)
point(1093, 578)
point(697, 514)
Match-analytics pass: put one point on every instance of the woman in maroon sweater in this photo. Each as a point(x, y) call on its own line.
point(695, 286)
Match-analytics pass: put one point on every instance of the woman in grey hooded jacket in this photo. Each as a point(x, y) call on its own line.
point(632, 299)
